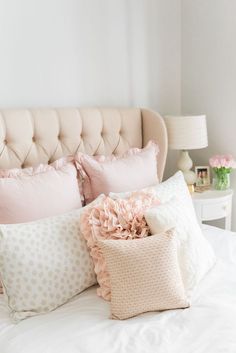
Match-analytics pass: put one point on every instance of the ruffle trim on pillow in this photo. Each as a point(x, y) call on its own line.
point(121, 219)
point(84, 177)
point(41, 168)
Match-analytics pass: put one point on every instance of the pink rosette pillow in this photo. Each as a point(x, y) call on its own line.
point(134, 170)
point(119, 219)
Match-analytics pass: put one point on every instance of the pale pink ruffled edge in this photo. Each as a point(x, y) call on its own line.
point(84, 178)
point(43, 168)
point(91, 227)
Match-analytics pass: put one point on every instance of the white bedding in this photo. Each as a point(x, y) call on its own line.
point(83, 325)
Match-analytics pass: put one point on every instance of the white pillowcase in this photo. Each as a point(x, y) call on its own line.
point(196, 256)
point(163, 217)
point(44, 263)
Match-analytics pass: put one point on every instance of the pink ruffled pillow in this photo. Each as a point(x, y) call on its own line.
point(136, 169)
point(38, 192)
point(120, 219)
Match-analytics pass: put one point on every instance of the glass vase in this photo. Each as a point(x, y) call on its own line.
point(221, 181)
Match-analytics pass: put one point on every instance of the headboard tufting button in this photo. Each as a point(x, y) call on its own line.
point(33, 139)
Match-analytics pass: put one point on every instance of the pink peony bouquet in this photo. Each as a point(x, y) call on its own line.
point(222, 166)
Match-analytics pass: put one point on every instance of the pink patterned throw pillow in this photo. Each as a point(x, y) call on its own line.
point(120, 219)
point(134, 170)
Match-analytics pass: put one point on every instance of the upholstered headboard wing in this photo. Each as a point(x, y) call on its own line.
point(32, 136)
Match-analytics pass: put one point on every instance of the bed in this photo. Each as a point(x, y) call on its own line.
point(29, 137)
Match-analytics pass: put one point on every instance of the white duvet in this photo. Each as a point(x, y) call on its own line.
point(83, 325)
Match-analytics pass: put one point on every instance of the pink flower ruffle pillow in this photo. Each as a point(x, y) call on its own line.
point(134, 170)
point(120, 219)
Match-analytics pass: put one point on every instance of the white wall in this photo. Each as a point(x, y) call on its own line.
point(209, 73)
point(124, 52)
point(90, 52)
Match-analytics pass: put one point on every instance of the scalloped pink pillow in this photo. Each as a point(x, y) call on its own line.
point(37, 192)
point(120, 219)
point(136, 169)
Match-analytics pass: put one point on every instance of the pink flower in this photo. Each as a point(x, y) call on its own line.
point(222, 161)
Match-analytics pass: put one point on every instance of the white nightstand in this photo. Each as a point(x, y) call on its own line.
point(213, 204)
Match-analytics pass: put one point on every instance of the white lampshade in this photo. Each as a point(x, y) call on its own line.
point(187, 132)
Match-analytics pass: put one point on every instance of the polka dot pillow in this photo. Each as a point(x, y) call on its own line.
point(43, 264)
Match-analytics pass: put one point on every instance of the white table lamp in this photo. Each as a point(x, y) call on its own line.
point(186, 133)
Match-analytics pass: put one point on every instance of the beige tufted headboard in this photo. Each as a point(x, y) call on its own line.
point(32, 136)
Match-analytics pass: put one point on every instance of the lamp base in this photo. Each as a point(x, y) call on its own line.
point(185, 164)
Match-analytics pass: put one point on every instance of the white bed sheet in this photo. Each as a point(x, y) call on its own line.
point(83, 325)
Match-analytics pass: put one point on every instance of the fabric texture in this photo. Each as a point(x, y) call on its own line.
point(29, 137)
point(144, 275)
point(33, 193)
point(207, 327)
point(136, 169)
point(43, 264)
point(158, 218)
point(196, 256)
point(37, 192)
point(119, 220)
